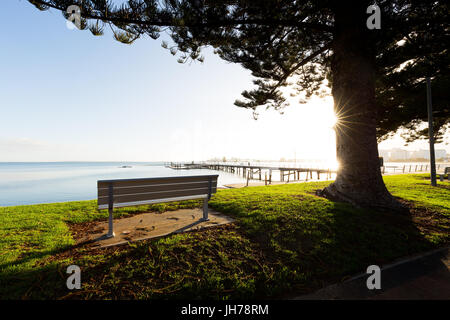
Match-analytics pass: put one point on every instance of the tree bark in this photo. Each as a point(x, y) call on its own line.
point(359, 179)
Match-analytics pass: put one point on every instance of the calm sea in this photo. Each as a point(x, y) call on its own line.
point(45, 182)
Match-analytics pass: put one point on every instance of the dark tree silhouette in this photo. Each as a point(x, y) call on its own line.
point(376, 75)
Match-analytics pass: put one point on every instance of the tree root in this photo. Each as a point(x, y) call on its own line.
point(380, 203)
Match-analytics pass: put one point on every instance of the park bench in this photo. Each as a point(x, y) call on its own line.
point(133, 192)
point(446, 172)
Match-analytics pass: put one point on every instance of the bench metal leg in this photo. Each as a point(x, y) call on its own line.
point(205, 209)
point(110, 225)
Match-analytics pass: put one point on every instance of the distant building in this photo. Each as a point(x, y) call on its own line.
point(420, 154)
point(425, 154)
point(396, 154)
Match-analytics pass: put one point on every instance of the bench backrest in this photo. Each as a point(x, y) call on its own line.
point(133, 192)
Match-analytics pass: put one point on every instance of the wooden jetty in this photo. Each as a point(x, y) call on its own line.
point(287, 174)
point(255, 172)
point(183, 166)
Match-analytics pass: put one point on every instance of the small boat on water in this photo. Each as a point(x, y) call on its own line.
point(125, 167)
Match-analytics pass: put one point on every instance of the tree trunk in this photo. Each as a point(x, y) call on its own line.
point(359, 179)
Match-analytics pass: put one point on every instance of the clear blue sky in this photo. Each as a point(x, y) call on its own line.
point(67, 95)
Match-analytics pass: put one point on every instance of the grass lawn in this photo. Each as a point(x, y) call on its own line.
point(285, 241)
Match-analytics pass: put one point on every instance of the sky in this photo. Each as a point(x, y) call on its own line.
point(66, 95)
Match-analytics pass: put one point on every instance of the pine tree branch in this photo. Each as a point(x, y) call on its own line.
point(211, 24)
point(300, 64)
point(281, 82)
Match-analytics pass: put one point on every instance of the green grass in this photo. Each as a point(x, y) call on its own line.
point(286, 240)
point(417, 188)
point(32, 231)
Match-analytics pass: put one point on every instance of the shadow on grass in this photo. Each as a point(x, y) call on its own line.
point(39, 282)
point(31, 256)
point(423, 278)
point(367, 237)
point(278, 249)
point(344, 242)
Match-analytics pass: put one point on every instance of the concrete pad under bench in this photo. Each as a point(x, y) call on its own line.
point(153, 225)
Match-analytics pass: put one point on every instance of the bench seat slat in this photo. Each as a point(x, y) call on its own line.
point(139, 203)
point(152, 196)
point(151, 181)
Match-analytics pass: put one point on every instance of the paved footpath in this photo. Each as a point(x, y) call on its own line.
point(426, 277)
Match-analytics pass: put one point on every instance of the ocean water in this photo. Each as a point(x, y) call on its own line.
point(24, 183)
point(45, 182)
